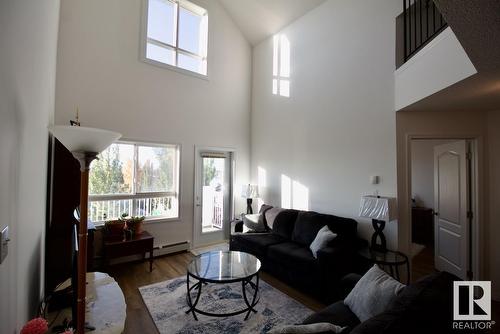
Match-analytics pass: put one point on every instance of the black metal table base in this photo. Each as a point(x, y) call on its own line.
point(250, 306)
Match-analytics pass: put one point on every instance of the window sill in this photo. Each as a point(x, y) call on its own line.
point(99, 225)
point(175, 68)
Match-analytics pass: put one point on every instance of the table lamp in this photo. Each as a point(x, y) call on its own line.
point(250, 191)
point(380, 210)
point(85, 144)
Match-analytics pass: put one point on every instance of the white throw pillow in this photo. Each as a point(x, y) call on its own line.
point(373, 293)
point(271, 215)
point(253, 222)
point(319, 327)
point(322, 239)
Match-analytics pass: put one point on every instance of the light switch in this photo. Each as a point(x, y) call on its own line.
point(4, 241)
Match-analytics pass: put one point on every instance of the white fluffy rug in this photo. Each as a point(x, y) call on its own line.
point(166, 302)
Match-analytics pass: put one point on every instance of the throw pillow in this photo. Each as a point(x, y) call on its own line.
point(262, 218)
point(320, 327)
point(322, 239)
point(373, 293)
point(271, 215)
point(253, 222)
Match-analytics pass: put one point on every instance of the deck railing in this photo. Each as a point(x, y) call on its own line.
point(102, 210)
point(422, 22)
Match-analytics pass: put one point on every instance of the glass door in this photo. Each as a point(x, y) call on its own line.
point(212, 198)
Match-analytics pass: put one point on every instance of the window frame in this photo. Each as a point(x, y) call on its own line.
point(176, 49)
point(140, 195)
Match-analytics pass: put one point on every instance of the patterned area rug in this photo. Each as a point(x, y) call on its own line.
point(166, 302)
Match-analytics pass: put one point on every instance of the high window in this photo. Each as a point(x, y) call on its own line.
point(176, 34)
point(135, 179)
point(281, 66)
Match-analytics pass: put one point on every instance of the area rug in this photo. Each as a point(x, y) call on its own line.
point(166, 302)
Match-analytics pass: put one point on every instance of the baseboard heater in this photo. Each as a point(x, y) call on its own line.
point(160, 250)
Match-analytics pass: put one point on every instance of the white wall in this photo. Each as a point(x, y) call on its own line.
point(439, 64)
point(338, 126)
point(422, 171)
point(99, 71)
point(28, 39)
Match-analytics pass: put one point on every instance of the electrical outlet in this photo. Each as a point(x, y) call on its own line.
point(4, 241)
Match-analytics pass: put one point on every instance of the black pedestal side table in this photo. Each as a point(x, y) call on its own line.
point(392, 260)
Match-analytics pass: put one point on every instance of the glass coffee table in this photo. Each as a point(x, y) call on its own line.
point(223, 267)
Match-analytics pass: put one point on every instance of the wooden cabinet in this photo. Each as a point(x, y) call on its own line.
point(422, 226)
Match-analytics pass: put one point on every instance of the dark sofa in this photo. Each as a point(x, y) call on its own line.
point(284, 251)
point(422, 307)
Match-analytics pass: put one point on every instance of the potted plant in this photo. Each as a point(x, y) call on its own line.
point(134, 223)
point(114, 228)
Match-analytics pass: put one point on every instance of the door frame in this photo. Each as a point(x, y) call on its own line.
point(197, 184)
point(475, 146)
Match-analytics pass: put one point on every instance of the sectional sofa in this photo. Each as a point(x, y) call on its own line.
point(283, 248)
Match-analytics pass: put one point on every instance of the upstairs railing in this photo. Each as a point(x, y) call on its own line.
point(422, 21)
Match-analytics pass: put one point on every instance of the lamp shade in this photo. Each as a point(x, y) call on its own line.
point(83, 139)
point(380, 208)
point(250, 191)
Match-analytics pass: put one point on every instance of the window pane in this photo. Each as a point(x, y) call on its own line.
point(161, 21)
point(166, 207)
point(164, 55)
point(113, 172)
point(156, 169)
point(190, 31)
point(191, 63)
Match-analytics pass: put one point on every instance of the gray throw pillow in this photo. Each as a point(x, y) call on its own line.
point(320, 327)
point(254, 223)
point(372, 294)
point(322, 239)
point(271, 215)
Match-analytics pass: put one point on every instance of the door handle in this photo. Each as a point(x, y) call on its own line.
point(436, 214)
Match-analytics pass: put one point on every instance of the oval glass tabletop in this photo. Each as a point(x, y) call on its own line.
point(223, 266)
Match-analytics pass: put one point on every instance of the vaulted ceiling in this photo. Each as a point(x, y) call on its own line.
point(259, 19)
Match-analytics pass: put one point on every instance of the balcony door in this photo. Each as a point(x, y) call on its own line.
point(213, 196)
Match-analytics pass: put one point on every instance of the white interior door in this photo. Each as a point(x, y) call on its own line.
point(213, 191)
point(451, 192)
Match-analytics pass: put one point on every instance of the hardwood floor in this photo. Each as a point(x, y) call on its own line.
point(131, 276)
point(423, 264)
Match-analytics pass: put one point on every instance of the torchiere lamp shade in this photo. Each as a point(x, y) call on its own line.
point(83, 139)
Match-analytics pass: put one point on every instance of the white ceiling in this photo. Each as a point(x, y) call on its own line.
point(259, 19)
